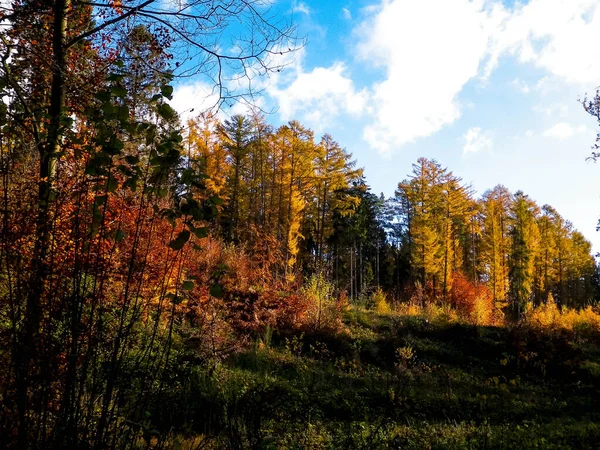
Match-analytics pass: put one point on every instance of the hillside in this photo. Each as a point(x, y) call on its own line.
point(387, 381)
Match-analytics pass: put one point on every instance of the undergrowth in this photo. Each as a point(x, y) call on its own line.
point(410, 378)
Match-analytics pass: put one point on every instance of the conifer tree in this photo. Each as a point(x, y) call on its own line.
point(495, 242)
point(236, 134)
point(525, 243)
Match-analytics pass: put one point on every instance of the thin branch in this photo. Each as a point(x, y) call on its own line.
point(107, 23)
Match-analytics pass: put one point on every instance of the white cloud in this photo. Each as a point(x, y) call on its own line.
point(477, 140)
point(521, 86)
point(563, 130)
point(320, 95)
point(545, 85)
point(428, 58)
point(554, 35)
point(553, 109)
point(189, 100)
point(197, 97)
point(301, 7)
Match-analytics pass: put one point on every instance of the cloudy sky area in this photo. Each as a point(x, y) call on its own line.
point(489, 88)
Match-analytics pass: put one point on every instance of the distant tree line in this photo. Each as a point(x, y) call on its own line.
point(309, 198)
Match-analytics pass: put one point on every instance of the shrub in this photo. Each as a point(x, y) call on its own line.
point(323, 312)
point(379, 302)
point(549, 317)
point(474, 302)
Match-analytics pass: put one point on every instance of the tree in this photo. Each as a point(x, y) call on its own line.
point(495, 243)
point(236, 136)
point(67, 30)
point(525, 243)
point(145, 68)
point(62, 63)
point(457, 232)
point(438, 210)
point(334, 174)
point(357, 240)
point(425, 199)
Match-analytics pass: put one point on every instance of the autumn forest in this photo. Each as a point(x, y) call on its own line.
point(226, 281)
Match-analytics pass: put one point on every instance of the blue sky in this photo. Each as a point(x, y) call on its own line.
point(488, 88)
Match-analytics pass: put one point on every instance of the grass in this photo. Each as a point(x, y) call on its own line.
point(389, 381)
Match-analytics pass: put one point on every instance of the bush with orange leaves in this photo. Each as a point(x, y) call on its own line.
point(250, 296)
point(474, 302)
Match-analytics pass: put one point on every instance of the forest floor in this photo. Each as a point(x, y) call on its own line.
point(389, 381)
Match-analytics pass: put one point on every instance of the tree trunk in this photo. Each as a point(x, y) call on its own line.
point(48, 150)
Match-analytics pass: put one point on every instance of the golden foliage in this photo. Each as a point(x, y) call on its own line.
point(550, 317)
point(380, 302)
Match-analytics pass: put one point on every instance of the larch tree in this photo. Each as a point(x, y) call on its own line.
point(300, 152)
point(545, 272)
point(581, 272)
point(424, 193)
point(334, 174)
point(236, 134)
point(204, 147)
point(455, 226)
point(495, 242)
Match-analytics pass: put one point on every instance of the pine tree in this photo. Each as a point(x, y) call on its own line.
point(525, 243)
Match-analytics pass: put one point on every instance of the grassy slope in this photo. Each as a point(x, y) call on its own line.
point(393, 382)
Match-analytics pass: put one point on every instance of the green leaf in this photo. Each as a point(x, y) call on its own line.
point(132, 159)
point(216, 290)
point(216, 201)
point(66, 121)
point(118, 91)
point(115, 77)
point(131, 183)
point(166, 112)
point(150, 134)
point(112, 184)
point(180, 240)
point(100, 200)
point(109, 110)
point(201, 233)
point(174, 298)
point(103, 96)
point(123, 113)
point(188, 285)
point(167, 91)
point(120, 235)
point(113, 146)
